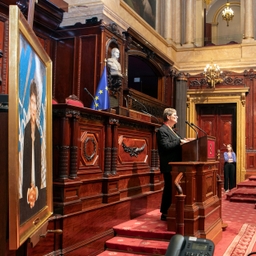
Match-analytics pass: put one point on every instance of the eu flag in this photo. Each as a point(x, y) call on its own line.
point(101, 99)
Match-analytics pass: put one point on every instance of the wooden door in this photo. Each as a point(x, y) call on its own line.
point(218, 120)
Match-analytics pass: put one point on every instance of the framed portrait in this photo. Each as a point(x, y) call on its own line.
point(146, 9)
point(29, 129)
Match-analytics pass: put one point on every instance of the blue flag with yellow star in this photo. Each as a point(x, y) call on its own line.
point(101, 99)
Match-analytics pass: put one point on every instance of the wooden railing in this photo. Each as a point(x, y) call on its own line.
point(180, 202)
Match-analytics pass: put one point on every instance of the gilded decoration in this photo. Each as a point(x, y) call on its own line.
point(222, 95)
point(225, 79)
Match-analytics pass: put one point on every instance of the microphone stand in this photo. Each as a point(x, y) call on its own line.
point(91, 97)
point(190, 125)
point(151, 115)
point(129, 96)
point(200, 129)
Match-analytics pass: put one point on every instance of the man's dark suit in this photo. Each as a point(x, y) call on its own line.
point(169, 150)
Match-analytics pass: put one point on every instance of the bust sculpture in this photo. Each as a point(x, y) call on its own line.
point(113, 63)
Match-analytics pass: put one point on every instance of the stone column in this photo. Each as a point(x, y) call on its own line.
point(189, 25)
point(248, 22)
point(181, 103)
point(176, 19)
point(168, 25)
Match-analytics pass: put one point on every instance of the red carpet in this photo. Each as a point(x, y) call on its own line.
point(243, 243)
point(245, 191)
point(236, 214)
point(147, 235)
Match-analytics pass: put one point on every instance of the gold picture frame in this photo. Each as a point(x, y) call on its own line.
point(30, 131)
point(146, 9)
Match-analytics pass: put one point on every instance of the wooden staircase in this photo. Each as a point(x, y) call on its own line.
point(244, 192)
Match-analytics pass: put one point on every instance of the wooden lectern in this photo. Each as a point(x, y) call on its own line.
point(201, 149)
point(202, 210)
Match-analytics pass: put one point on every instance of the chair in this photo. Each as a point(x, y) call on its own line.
point(74, 101)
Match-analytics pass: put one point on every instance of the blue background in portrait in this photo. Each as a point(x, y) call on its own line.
point(30, 67)
point(28, 70)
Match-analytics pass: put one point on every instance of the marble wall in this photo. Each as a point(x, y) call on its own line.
point(191, 57)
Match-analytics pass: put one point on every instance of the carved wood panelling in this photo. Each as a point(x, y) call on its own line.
point(83, 46)
point(209, 179)
point(91, 152)
point(134, 184)
point(87, 67)
point(233, 81)
point(89, 149)
point(228, 79)
point(63, 75)
point(251, 161)
point(132, 150)
point(85, 142)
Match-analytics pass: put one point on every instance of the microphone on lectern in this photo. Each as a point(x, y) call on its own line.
point(190, 125)
point(90, 96)
point(200, 129)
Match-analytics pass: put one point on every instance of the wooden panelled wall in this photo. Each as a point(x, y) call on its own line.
point(105, 171)
point(105, 165)
point(233, 80)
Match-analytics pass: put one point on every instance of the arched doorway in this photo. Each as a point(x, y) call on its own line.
point(236, 97)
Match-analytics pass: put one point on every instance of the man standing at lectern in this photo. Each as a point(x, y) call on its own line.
point(169, 150)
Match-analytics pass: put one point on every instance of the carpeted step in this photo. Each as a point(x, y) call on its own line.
point(145, 235)
point(137, 245)
point(146, 228)
point(116, 253)
point(252, 178)
point(242, 199)
point(247, 192)
point(247, 184)
point(244, 194)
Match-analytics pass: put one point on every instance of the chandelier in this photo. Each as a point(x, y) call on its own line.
point(212, 75)
point(227, 13)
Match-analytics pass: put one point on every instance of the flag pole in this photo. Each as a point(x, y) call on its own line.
point(101, 99)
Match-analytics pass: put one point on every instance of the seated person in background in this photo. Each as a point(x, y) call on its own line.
point(113, 64)
point(229, 168)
